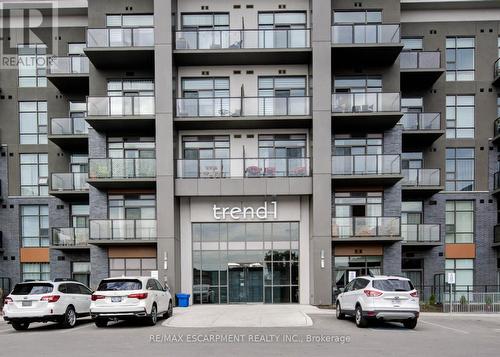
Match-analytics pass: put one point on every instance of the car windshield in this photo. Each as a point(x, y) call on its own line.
point(32, 289)
point(393, 285)
point(122, 284)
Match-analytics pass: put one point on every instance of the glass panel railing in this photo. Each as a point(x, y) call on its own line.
point(496, 181)
point(345, 227)
point(366, 165)
point(69, 126)
point(234, 39)
point(122, 168)
point(496, 127)
point(69, 181)
point(421, 121)
point(421, 177)
point(69, 65)
point(121, 106)
point(420, 232)
point(420, 60)
point(120, 37)
point(366, 34)
point(70, 237)
point(365, 102)
point(496, 69)
point(496, 235)
point(123, 229)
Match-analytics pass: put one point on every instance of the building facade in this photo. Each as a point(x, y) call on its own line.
point(251, 152)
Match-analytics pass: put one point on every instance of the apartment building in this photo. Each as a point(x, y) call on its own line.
point(258, 151)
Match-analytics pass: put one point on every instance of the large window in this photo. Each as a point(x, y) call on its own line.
point(459, 169)
point(282, 86)
point(135, 87)
point(357, 17)
point(205, 21)
point(460, 58)
point(464, 272)
point(131, 148)
point(205, 147)
point(136, 20)
point(459, 221)
point(35, 225)
point(357, 204)
point(35, 271)
point(132, 207)
point(347, 267)
point(33, 122)
point(283, 145)
point(216, 87)
point(412, 44)
point(34, 174)
point(346, 145)
point(32, 61)
point(357, 84)
point(459, 116)
point(131, 266)
point(80, 271)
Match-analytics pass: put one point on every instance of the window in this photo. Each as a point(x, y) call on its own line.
point(35, 271)
point(412, 44)
point(80, 216)
point(79, 163)
point(344, 266)
point(411, 212)
point(131, 148)
point(33, 122)
point(141, 207)
point(205, 147)
point(412, 105)
point(34, 173)
point(357, 17)
point(205, 21)
point(205, 87)
point(357, 204)
point(460, 58)
point(282, 20)
point(35, 226)
point(357, 84)
point(459, 116)
point(459, 222)
point(345, 145)
point(282, 86)
point(286, 29)
point(464, 272)
point(80, 271)
point(127, 88)
point(459, 169)
point(412, 160)
point(129, 20)
point(131, 266)
point(76, 49)
point(283, 145)
point(32, 65)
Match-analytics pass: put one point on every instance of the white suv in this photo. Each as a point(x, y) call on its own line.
point(389, 298)
point(130, 297)
point(44, 301)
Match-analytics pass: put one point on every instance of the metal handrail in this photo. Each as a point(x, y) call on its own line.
point(420, 232)
point(66, 126)
point(421, 177)
point(420, 60)
point(67, 65)
point(69, 181)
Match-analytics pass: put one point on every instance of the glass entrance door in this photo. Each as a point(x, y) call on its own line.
point(245, 283)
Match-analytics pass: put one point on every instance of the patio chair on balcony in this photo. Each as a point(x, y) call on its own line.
point(253, 171)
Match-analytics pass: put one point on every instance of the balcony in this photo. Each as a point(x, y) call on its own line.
point(367, 110)
point(69, 133)
point(240, 47)
point(367, 229)
point(496, 131)
point(421, 234)
point(420, 69)
point(421, 182)
point(366, 169)
point(69, 186)
point(122, 231)
point(121, 47)
point(496, 236)
point(420, 129)
point(122, 173)
point(69, 74)
point(496, 183)
point(353, 43)
point(70, 238)
point(243, 112)
point(245, 176)
point(118, 113)
point(496, 72)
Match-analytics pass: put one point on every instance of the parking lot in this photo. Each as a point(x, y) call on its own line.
point(471, 335)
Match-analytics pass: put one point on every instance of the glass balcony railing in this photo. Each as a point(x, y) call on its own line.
point(366, 34)
point(421, 177)
point(122, 168)
point(496, 181)
point(244, 106)
point(496, 236)
point(234, 39)
point(69, 65)
point(121, 106)
point(365, 102)
point(347, 227)
point(496, 69)
point(69, 181)
point(366, 165)
point(496, 127)
point(420, 232)
point(420, 60)
point(69, 126)
point(421, 121)
point(70, 237)
point(120, 37)
point(123, 229)
point(247, 167)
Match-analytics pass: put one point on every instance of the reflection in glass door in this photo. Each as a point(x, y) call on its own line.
point(245, 283)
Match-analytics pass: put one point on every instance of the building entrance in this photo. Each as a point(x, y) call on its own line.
point(246, 283)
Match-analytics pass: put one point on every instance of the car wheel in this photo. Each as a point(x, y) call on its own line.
point(153, 317)
point(69, 318)
point(411, 324)
point(338, 312)
point(20, 326)
point(101, 322)
point(360, 320)
point(170, 310)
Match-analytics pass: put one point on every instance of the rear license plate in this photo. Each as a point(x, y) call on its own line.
point(396, 302)
point(116, 299)
point(26, 303)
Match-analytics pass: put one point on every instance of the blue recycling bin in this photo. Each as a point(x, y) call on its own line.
point(182, 300)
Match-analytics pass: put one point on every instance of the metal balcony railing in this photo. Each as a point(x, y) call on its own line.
point(123, 229)
point(421, 121)
point(120, 37)
point(69, 181)
point(234, 39)
point(70, 237)
point(366, 34)
point(69, 65)
point(243, 106)
point(420, 233)
point(420, 60)
point(366, 102)
point(69, 126)
point(121, 105)
point(111, 168)
point(247, 167)
point(366, 165)
point(346, 227)
point(421, 177)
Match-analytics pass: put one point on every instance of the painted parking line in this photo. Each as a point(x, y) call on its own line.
point(444, 327)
